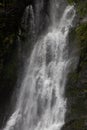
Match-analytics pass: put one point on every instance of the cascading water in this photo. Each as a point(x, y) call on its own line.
point(41, 104)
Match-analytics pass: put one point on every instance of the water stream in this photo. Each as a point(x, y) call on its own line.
point(41, 103)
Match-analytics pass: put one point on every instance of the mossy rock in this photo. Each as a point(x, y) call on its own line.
point(76, 124)
point(81, 31)
point(81, 7)
point(70, 1)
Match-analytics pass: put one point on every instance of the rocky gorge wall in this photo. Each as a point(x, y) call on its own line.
point(76, 88)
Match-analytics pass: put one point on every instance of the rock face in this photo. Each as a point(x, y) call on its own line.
point(76, 88)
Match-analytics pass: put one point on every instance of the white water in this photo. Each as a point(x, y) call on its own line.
point(41, 104)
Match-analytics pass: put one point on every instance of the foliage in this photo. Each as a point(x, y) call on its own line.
point(81, 6)
point(81, 32)
point(76, 89)
point(73, 1)
point(70, 1)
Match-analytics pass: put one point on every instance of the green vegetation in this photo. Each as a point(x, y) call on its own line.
point(70, 1)
point(76, 88)
point(73, 1)
point(78, 124)
point(81, 6)
point(81, 32)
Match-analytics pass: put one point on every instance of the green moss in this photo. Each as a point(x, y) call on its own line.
point(71, 88)
point(73, 1)
point(73, 76)
point(79, 35)
point(81, 32)
point(70, 1)
point(9, 39)
point(1, 4)
point(79, 124)
point(81, 6)
point(72, 92)
point(8, 3)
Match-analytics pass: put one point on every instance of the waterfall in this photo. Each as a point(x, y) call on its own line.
point(41, 103)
